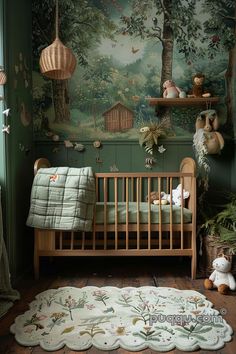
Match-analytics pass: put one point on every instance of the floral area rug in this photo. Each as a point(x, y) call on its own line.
point(131, 318)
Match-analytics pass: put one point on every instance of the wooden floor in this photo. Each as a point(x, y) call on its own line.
point(120, 272)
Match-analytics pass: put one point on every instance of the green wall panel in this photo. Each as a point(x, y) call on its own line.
point(130, 157)
point(19, 145)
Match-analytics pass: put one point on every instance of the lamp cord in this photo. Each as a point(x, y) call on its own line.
point(56, 24)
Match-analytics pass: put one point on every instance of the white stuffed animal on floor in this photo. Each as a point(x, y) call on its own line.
point(221, 278)
point(176, 195)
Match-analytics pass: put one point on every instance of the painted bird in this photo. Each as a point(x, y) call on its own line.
point(134, 50)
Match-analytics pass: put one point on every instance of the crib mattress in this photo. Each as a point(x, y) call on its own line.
point(143, 213)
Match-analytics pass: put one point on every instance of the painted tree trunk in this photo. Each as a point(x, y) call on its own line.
point(61, 100)
point(167, 46)
point(230, 78)
point(167, 58)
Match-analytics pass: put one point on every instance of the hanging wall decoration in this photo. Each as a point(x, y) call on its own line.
point(79, 147)
point(6, 129)
point(3, 77)
point(97, 145)
point(5, 126)
point(6, 112)
point(114, 168)
point(149, 135)
point(57, 61)
point(207, 140)
point(25, 115)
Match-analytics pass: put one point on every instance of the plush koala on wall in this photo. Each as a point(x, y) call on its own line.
point(207, 120)
point(207, 123)
point(221, 278)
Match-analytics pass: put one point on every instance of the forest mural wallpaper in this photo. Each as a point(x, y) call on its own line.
point(125, 50)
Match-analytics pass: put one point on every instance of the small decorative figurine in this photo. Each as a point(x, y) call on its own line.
point(198, 87)
point(170, 89)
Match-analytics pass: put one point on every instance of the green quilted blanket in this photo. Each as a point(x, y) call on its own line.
point(62, 198)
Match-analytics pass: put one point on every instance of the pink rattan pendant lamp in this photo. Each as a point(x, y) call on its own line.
point(57, 61)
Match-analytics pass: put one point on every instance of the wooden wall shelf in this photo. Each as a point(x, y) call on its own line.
point(201, 101)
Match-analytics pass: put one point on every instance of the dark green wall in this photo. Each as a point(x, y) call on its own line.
point(18, 162)
point(2, 137)
point(129, 156)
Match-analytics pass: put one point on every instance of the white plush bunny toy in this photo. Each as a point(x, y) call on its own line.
point(176, 195)
point(221, 278)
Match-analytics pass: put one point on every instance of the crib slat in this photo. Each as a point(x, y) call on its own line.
point(140, 189)
point(167, 185)
point(94, 227)
point(83, 240)
point(149, 213)
point(72, 240)
point(116, 213)
point(60, 241)
point(127, 214)
point(94, 215)
point(97, 189)
point(160, 216)
point(105, 212)
point(171, 215)
point(123, 189)
point(137, 202)
point(182, 214)
point(132, 189)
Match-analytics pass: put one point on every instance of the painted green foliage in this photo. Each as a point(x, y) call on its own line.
point(171, 21)
point(220, 30)
point(125, 50)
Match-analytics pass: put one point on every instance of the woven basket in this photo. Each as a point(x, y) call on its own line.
point(57, 61)
point(211, 248)
point(3, 77)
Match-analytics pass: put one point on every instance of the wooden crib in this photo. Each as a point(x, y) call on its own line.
point(126, 223)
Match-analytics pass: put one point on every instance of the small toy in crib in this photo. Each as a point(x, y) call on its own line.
point(165, 198)
point(154, 198)
point(176, 195)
